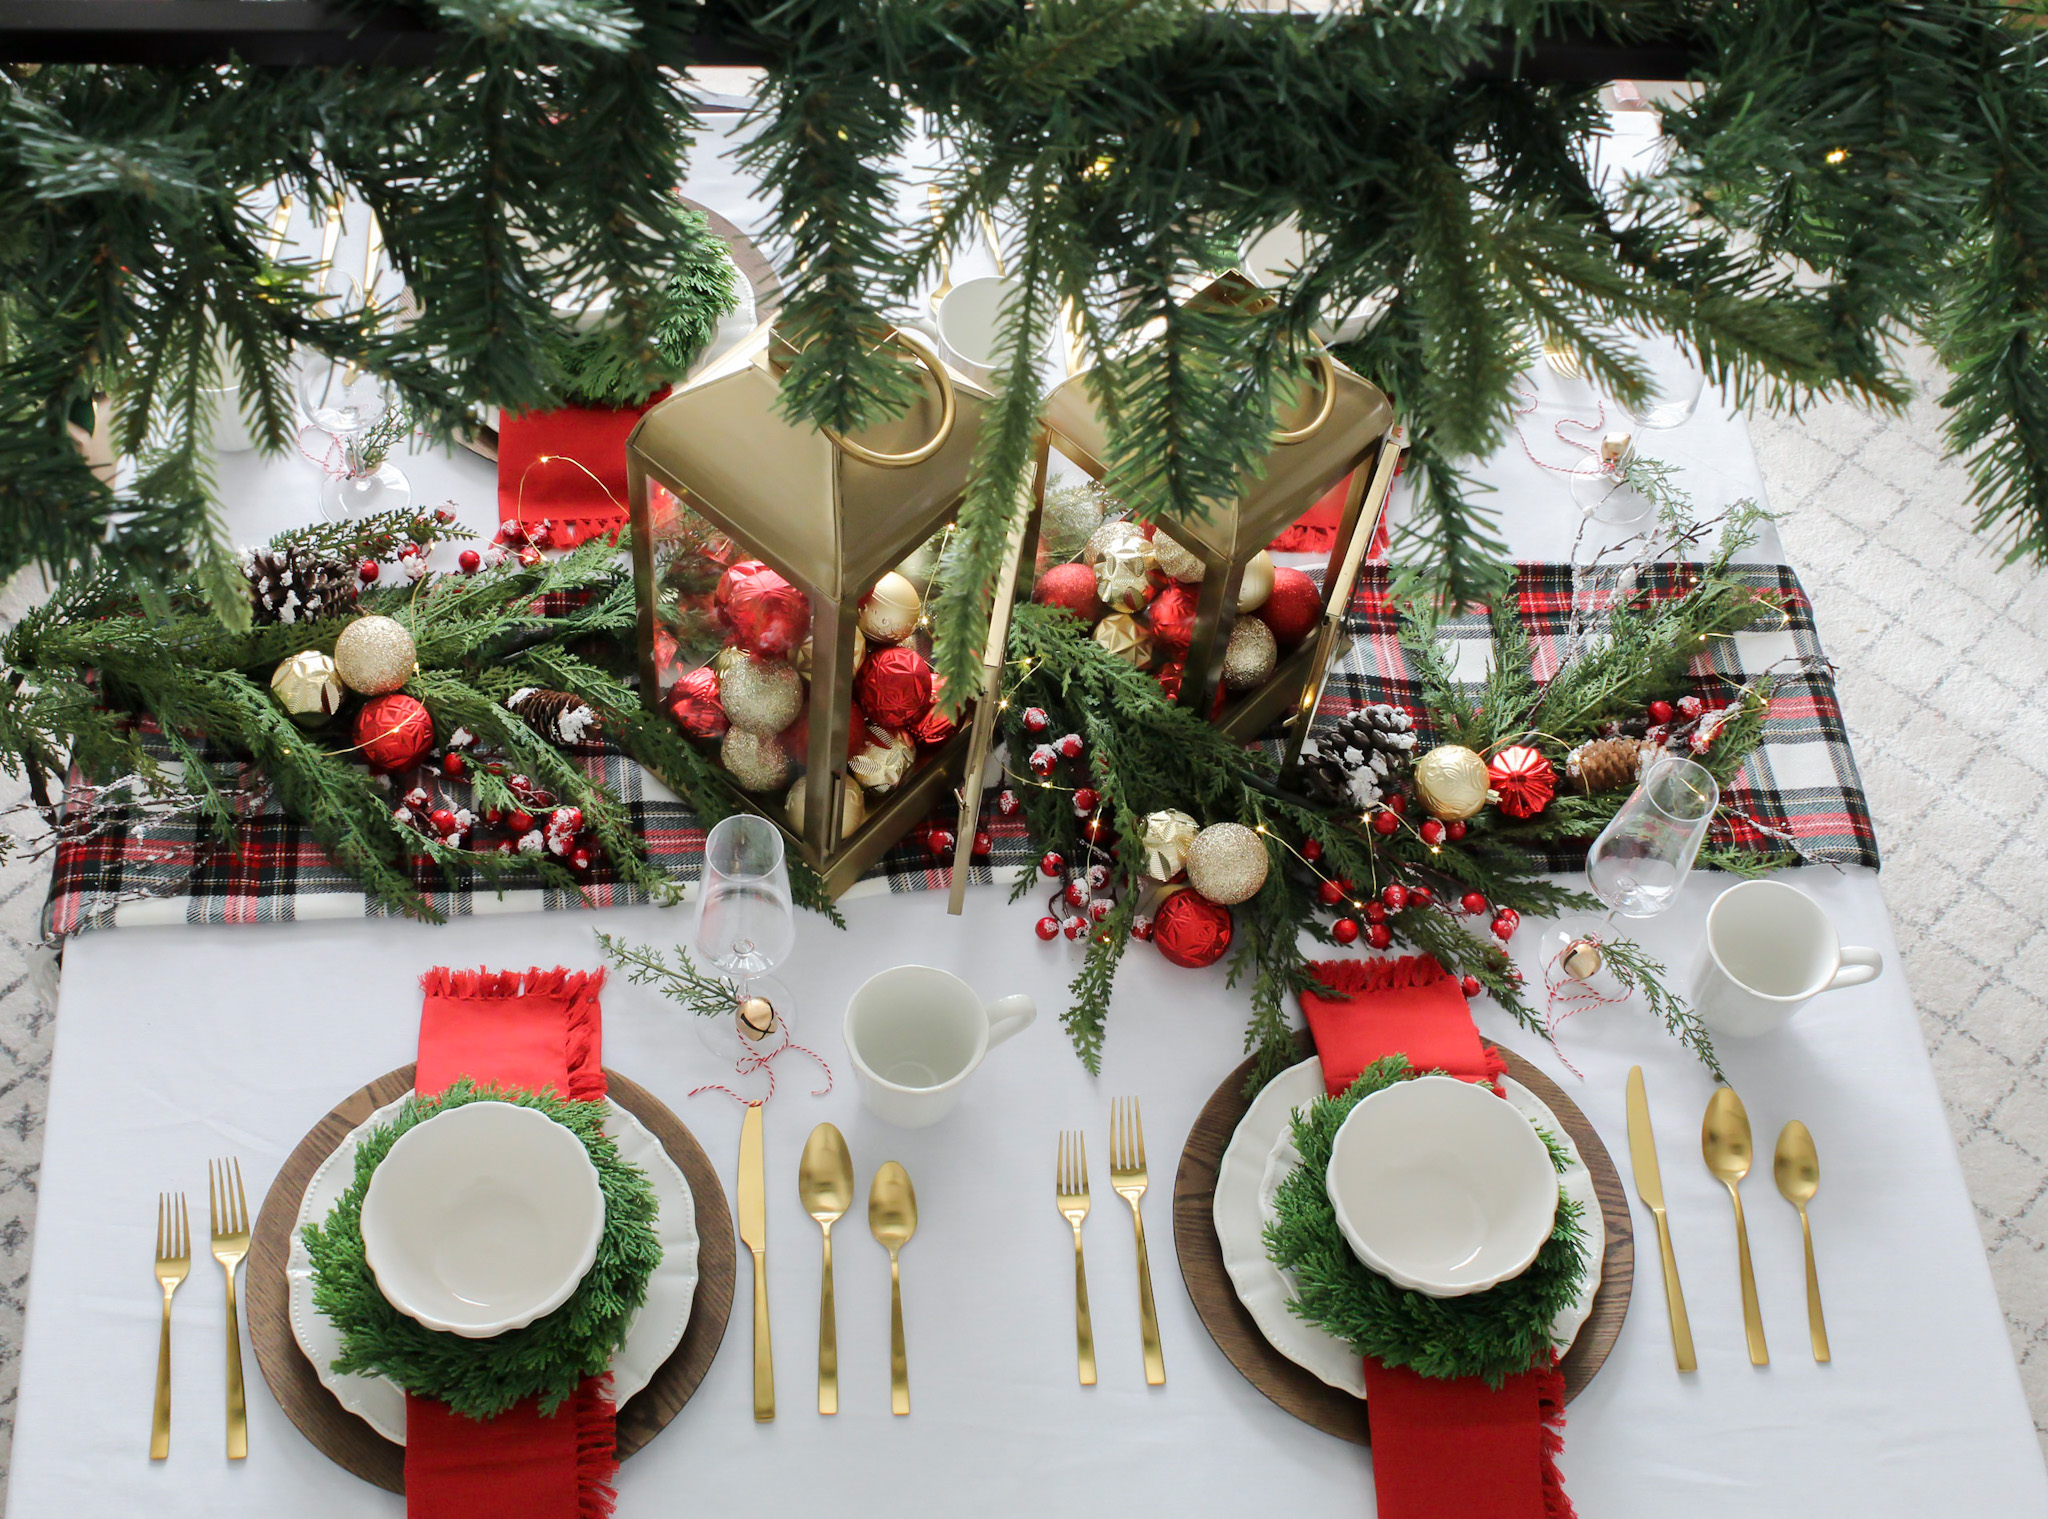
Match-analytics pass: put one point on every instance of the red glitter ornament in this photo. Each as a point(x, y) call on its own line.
point(393, 731)
point(1070, 587)
point(1190, 930)
point(1051, 864)
point(1292, 609)
point(770, 617)
point(1048, 927)
point(1345, 930)
point(695, 706)
point(1523, 779)
point(895, 687)
point(1379, 936)
point(1172, 618)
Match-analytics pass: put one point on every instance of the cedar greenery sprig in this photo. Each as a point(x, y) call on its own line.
point(683, 983)
point(1492, 1335)
point(550, 1357)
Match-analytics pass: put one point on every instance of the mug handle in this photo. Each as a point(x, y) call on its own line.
point(1858, 966)
point(1009, 1015)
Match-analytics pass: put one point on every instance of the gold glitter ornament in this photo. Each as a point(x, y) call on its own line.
point(1581, 958)
point(308, 687)
point(758, 763)
point(1166, 836)
point(1249, 657)
point(890, 612)
point(762, 696)
point(800, 661)
point(1227, 863)
point(884, 760)
point(1124, 636)
point(853, 805)
point(1109, 532)
point(1451, 780)
point(1257, 585)
point(1123, 569)
point(1175, 561)
point(375, 655)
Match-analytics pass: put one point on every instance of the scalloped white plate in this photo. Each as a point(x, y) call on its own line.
point(1261, 1154)
point(651, 1337)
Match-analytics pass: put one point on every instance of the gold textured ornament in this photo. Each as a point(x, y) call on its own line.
point(1581, 958)
point(1124, 636)
point(853, 805)
point(1227, 863)
point(308, 687)
point(1176, 562)
point(1123, 569)
point(890, 612)
point(758, 763)
point(1257, 585)
point(884, 760)
point(1166, 836)
point(761, 695)
point(1249, 657)
point(800, 661)
point(726, 658)
point(375, 655)
point(1109, 532)
point(1451, 780)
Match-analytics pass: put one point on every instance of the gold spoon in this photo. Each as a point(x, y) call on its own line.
point(824, 1180)
point(1724, 1140)
point(1797, 1169)
point(892, 1219)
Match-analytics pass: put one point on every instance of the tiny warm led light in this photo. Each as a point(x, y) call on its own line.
point(1836, 155)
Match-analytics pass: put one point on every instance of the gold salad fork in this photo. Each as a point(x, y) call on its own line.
point(230, 1210)
point(1073, 1195)
point(173, 1261)
point(1127, 1176)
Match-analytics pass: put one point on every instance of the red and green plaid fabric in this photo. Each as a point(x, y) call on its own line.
point(1800, 788)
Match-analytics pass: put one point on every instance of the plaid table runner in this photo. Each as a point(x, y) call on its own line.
point(1800, 788)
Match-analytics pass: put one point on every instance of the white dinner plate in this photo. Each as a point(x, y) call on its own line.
point(1260, 1156)
point(651, 1337)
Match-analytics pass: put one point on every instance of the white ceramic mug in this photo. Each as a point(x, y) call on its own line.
point(915, 1034)
point(1769, 948)
point(970, 322)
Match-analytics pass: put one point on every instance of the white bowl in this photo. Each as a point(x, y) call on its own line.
point(482, 1218)
point(1441, 1186)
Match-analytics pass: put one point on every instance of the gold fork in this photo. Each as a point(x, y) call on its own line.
point(1073, 1194)
point(225, 1201)
point(937, 202)
point(173, 1261)
point(1127, 1176)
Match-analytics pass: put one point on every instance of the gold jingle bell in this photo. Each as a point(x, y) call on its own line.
point(1581, 958)
point(756, 1018)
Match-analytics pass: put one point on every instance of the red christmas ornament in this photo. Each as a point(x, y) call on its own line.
point(1085, 801)
point(1523, 779)
point(1470, 986)
point(1190, 930)
point(1173, 620)
point(1379, 936)
point(1505, 922)
point(941, 843)
point(1292, 608)
point(1474, 903)
point(1006, 802)
point(1385, 823)
point(770, 617)
point(470, 560)
point(1048, 927)
point(895, 687)
point(1432, 832)
point(1070, 746)
point(1660, 711)
point(1395, 896)
point(393, 731)
point(1052, 864)
point(695, 706)
point(730, 580)
point(934, 728)
point(1455, 831)
point(367, 572)
point(1345, 930)
point(454, 765)
point(984, 842)
point(1329, 893)
point(1311, 850)
point(1070, 587)
point(1035, 720)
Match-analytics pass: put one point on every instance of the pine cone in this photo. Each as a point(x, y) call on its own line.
point(1360, 757)
point(560, 717)
point(1606, 764)
point(296, 586)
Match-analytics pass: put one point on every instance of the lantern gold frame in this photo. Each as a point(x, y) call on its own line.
point(831, 515)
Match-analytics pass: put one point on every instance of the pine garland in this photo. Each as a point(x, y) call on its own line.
point(1492, 1335)
point(549, 1358)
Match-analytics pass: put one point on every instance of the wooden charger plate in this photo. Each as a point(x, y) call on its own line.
point(1302, 1393)
point(350, 1442)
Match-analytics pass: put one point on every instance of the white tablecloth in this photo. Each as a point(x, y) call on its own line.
point(174, 1045)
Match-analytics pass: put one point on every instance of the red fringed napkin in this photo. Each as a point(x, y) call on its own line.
point(1315, 530)
point(538, 477)
point(534, 1031)
point(1441, 1449)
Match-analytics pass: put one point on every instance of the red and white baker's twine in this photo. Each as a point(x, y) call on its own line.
point(754, 1060)
point(1561, 1003)
point(1592, 450)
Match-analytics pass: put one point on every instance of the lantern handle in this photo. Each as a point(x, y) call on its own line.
point(948, 410)
point(1327, 368)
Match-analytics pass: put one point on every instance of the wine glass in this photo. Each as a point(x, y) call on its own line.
point(345, 401)
point(746, 926)
point(1676, 381)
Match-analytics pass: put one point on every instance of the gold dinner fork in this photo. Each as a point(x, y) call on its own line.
point(224, 1199)
point(1073, 1195)
point(173, 1261)
point(1127, 1176)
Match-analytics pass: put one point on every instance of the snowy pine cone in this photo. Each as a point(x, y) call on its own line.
point(1360, 757)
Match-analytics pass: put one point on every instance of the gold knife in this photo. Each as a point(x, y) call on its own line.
point(753, 1209)
point(1642, 1152)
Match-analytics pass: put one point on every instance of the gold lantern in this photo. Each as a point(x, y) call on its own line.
point(1338, 425)
point(832, 515)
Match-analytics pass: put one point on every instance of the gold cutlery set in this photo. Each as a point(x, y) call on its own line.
point(824, 1185)
point(1127, 1177)
point(228, 1209)
point(1726, 1148)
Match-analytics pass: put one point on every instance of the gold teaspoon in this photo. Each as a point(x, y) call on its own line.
point(824, 1180)
point(1797, 1169)
point(1724, 1140)
point(892, 1219)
